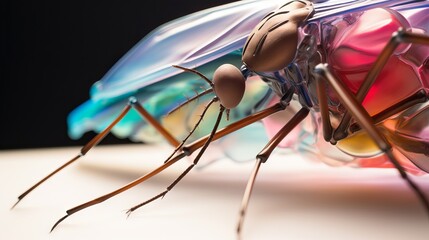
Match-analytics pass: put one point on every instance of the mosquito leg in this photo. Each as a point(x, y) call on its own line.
point(99, 137)
point(194, 163)
point(263, 156)
point(132, 103)
point(401, 36)
point(247, 194)
point(190, 148)
point(418, 97)
point(324, 111)
point(186, 151)
point(152, 121)
point(193, 130)
point(365, 121)
point(83, 151)
point(120, 190)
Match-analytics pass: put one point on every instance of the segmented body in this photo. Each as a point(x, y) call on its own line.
point(350, 44)
point(291, 53)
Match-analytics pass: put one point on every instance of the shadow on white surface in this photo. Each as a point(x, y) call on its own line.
point(293, 199)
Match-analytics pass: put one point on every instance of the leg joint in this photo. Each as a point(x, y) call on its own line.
point(262, 157)
point(398, 36)
point(132, 100)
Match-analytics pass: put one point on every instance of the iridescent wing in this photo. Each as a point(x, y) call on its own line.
point(203, 40)
point(330, 8)
point(199, 38)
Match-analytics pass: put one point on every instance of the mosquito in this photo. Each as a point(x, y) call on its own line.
point(322, 56)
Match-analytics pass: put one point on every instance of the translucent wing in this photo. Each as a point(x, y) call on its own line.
point(330, 8)
point(190, 41)
point(204, 40)
point(159, 99)
point(199, 38)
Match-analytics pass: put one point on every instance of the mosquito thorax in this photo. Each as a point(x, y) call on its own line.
point(276, 37)
point(229, 85)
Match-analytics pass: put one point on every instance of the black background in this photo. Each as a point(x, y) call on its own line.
point(52, 52)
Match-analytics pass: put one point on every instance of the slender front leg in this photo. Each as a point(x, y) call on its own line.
point(185, 151)
point(263, 156)
point(132, 103)
point(365, 121)
point(188, 169)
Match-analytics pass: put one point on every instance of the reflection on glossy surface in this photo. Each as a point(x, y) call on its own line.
point(285, 205)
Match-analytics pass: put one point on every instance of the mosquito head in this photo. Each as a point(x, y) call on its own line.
point(229, 85)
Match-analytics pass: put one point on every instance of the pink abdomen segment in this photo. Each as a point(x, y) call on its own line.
point(356, 48)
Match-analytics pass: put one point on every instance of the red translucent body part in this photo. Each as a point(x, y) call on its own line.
point(353, 53)
point(353, 49)
point(356, 48)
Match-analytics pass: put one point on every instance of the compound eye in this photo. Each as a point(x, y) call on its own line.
point(229, 85)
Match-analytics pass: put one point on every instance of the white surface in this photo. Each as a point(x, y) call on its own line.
point(293, 199)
